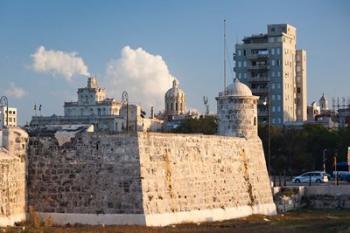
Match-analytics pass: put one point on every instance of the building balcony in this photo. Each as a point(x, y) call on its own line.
point(258, 56)
point(259, 79)
point(259, 67)
point(260, 90)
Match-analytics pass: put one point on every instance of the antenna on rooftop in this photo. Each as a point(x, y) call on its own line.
point(225, 56)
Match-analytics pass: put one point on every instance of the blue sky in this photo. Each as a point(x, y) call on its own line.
point(187, 34)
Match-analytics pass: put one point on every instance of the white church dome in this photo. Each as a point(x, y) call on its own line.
point(238, 89)
point(175, 91)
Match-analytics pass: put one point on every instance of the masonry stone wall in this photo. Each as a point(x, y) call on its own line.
point(147, 178)
point(237, 116)
point(184, 175)
point(12, 176)
point(92, 174)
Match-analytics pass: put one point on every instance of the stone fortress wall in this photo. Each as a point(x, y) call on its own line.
point(12, 176)
point(150, 179)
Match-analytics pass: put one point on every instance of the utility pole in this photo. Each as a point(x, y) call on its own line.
point(267, 105)
point(335, 167)
point(324, 160)
point(225, 83)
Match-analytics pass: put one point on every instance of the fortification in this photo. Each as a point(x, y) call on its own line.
point(150, 178)
point(12, 176)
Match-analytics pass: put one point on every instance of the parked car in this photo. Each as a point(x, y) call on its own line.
point(316, 177)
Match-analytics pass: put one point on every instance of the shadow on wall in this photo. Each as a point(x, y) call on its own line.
point(91, 176)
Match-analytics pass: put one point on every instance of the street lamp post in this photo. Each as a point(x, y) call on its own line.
point(267, 105)
point(125, 99)
point(4, 101)
point(324, 160)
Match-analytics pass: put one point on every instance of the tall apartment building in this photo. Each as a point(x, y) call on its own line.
point(267, 64)
point(301, 85)
point(12, 117)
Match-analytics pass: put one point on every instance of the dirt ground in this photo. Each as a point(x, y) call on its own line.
point(314, 221)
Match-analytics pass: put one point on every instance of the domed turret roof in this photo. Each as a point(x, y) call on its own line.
point(238, 89)
point(323, 98)
point(175, 90)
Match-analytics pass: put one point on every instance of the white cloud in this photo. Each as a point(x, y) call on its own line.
point(14, 91)
point(58, 62)
point(144, 76)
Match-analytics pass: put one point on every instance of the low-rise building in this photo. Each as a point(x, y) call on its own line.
point(105, 114)
point(10, 114)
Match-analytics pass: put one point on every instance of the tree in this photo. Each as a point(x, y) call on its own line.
point(204, 125)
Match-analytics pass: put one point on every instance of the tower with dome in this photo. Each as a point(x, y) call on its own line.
point(175, 100)
point(237, 111)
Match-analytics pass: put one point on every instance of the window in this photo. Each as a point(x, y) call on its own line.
point(278, 62)
point(244, 52)
point(239, 63)
point(278, 51)
point(278, 97)
point(298, 68)
point(298, 90)
point(239, 52)
point(278, 108)
point(273, 120)
point(273, 62)
point(273, 108)
point(273, 74)
point(245, 75)
point(273, 86)
point(239, 75)
point(278, 74)
point(273, 97)
point(244, 63)
point(272, 51)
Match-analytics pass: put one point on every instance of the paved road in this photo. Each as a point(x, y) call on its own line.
point(332, 182)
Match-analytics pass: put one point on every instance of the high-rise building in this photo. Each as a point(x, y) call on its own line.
point(267, 64)
point(12, 117)
point(301, 85)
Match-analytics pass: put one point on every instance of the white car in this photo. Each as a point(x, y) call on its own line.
point(316, 177)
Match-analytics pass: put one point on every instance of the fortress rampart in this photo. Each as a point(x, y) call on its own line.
point(12, 177)
point(150, 179)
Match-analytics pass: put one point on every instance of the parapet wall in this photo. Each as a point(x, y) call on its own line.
point(147, 178)
point(12, 176)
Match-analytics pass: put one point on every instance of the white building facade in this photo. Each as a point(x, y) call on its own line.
point(267, 64)
point(12, 117)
